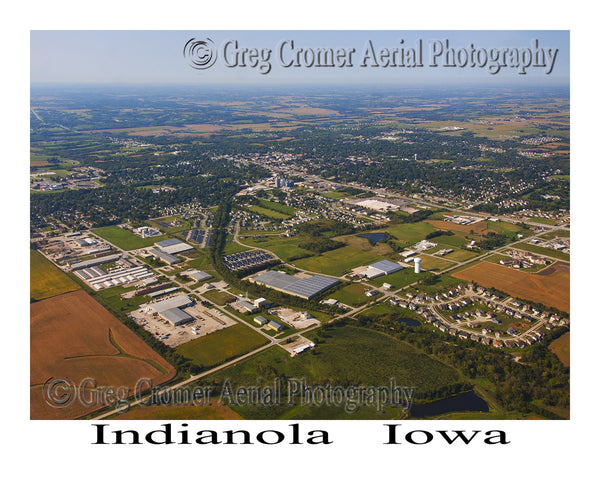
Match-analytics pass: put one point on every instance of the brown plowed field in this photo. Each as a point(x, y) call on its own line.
point(74, 337)
point(552, 289)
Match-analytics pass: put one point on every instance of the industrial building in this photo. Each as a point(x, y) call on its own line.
point(165, 257)
point(170, 309)
point(173, 246)
point(176, 317)
point(385, 267)
point(260, 320)
point(95, 261)
point(306, 288)
point(197, 275)
point(98, 279)
point(278, 327)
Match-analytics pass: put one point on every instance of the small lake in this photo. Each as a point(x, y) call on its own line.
point(463, 402)
point(374, 237)
point(409, 321)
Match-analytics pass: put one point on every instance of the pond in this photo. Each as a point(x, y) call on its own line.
point(463, 402)
point(374, 237)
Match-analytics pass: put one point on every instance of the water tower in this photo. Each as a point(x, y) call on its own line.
point(417, 265)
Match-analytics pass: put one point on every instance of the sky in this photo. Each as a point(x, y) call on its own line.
point(157, 56)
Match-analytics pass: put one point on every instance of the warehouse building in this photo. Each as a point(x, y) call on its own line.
point(197, 275)
point(165, 257)
point(176, 317)
point(95, 261)
point(306, 288)
point(261, 320)
point(278, 327)
point(173, 246)
point(385, 267)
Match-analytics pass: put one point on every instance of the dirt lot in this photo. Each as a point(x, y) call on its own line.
point(206, 320)
point(73, 337)
point(552, 289)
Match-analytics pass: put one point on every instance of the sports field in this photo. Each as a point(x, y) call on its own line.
point(46, 280)
point(125, 239)
point(550, 287)
point(73, 337)
point(222, 345)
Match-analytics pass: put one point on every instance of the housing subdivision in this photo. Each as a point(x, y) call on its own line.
point(306, 288)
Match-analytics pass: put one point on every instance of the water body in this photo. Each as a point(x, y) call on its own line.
point(463, 402)
point(409, 321)
point(374, 237)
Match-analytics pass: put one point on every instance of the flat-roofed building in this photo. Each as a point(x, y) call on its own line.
point(165, 257)
point(261, 320)
point(178, 301)
point(176, 317)
point(306, 288)
point(278, 327)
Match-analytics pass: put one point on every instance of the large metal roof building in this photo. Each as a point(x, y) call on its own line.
point(301, 287)
point(385, 267)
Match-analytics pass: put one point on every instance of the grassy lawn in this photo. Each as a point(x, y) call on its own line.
point(218, 297)
point(221, 346)
point(434, 264)
point(232, 247)
point(336, 262)
point(125, 239)
point(507, 227)
point(46, 280)
point(277, 207)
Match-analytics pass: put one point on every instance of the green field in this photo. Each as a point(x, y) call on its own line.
point(411, 233)
point(125, 239)
point(46, 280)
point(221, 346)
point(218, 297)
point(434, 264)
point(345, 355)
point(277, 207)
point(353, 295)
point(282, 247)
point(336, 262)
point(543, 251)
point(267, 212)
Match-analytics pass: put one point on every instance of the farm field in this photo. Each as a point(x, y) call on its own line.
point(551, 287)
point(348, 355)
point(562, 348)
point(336, 262)
point(212, 411)
point(46, 280)
point(222, 345)
point(124, 239)
point(74, 337)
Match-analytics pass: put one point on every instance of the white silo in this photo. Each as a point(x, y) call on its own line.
point(417, 265)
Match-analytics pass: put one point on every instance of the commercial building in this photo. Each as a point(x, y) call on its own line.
point(385, 267)
point(176, 317)
point(278, 327)
point(95, 261)
point(306, 288)
point(165, 257)
point(173, 246)
point(260, 320)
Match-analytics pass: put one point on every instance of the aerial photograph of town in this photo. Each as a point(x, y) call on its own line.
point(301, 226)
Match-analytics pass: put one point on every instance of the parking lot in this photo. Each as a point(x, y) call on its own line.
point(206, 320)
